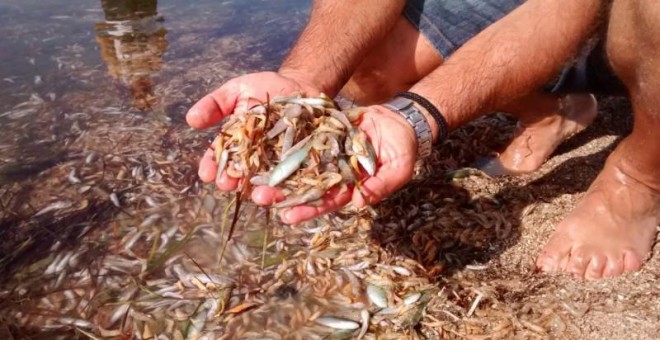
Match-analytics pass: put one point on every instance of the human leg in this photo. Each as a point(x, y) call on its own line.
point(545, 121)
point(612, 229)
point(425, 35)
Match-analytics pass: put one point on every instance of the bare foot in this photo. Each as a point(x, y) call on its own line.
point(536, 139)
point(610, 232)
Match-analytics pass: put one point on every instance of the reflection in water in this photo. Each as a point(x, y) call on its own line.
point(132, 41)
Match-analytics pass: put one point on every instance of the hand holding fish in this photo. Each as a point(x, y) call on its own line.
point(237, 95)
point(361, 155)
point(395, 147)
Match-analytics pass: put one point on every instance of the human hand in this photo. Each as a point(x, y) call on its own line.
point(239, 94)
point(395, 144)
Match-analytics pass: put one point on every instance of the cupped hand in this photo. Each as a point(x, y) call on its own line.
point(239, 94)
point(392, 137)
point(395, 145)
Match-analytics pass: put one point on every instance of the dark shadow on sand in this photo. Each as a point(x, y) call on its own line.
point(445, 237)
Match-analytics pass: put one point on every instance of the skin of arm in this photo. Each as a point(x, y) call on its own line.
point(509, 60)
point(337, 37)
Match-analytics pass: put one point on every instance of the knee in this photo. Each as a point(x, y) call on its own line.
point(633, 36)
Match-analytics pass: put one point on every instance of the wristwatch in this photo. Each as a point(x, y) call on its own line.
point(416, 118)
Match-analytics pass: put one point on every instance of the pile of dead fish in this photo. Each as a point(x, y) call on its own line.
point(302, 145)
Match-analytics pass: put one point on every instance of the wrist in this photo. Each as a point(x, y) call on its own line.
point(307, 81)
point(429, 118)
point(419, 123)
point(435, 119)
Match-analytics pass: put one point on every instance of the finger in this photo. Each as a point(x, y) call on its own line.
point(386, 180)
point(265, 195)
point(333, 200)
point(208, 168)
point(210, 110)
point(225, 182)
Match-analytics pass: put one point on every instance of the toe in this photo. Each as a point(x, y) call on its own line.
point(595, 268)
point(554, 256)
point(614, 266)
point(548, 262)
point(578, 262)
point(631, 262)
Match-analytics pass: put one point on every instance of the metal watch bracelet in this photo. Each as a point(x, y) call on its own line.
point(417, 120)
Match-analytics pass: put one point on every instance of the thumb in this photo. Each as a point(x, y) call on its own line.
point(387, 179)
point(213, 107)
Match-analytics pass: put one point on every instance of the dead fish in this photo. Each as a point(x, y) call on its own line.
point(412, 298)
point(59, 205)
point(259, 180)
point(364, 317)
point(310, 195)
point(377, 295)
point(288, 166)
point(287, 142)
point(319, 102)
point(340, 116)
point(346, 171)
point(401, 271)
point(337, 323)
point(292, 111)
point(115, 199)
point(73, 179)
point(222, 163)
point(278, 128)
point(302, 143)
point(364, 151)
point(333, 144)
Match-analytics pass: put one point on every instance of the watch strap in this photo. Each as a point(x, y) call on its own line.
point(417, 120)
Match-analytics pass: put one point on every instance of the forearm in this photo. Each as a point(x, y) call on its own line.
point(511, 58)
point(337, 37)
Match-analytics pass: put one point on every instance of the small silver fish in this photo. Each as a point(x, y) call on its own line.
point(377, 295)
point(278, 128)
point(303, 142)
point(288, 166)
point(222, 163)
point(289, 135)
point(412, 298)
point(337, 323)
point(259, 180)
point(292, 111)
point(362, 148)
point(310, 195)
point(340, 116)
point(314, 102)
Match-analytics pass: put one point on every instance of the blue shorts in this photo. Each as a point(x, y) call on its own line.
point(448, 24)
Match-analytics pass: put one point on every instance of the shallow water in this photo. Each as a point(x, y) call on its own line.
point(124, 49)
point(146, 58)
